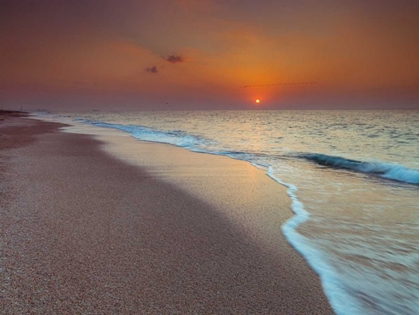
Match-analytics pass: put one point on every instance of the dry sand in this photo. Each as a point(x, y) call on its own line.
point(84, 233)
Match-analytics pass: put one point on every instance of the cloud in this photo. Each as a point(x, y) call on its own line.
point(175, 59)
point(152, 69)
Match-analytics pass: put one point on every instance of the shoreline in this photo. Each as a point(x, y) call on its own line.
point(111, 236)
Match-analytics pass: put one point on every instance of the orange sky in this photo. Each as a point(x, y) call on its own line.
point(195, 54)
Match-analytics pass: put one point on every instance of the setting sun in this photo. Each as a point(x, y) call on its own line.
point(257, 101)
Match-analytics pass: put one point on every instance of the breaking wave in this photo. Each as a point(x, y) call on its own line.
point(391, 171)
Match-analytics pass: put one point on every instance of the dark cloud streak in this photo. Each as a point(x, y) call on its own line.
point(274, 84)
point(152, 69)
point(175, 59)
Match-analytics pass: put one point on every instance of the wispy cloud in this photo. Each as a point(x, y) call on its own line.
point(152, 69)
point(175, 59)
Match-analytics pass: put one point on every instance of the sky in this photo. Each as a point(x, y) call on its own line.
point(209, 54)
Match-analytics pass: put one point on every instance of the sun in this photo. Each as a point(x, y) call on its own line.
point(257, 101)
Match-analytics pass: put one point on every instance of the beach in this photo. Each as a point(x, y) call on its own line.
point(110, 225)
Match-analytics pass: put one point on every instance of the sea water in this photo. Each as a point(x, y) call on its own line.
point(352, 177)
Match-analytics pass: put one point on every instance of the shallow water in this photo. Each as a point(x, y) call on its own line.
point(352, 177)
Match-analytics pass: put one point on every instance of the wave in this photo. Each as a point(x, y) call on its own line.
point(179, 138)
point(391, 171)
point(201, 144)
point(175, 137)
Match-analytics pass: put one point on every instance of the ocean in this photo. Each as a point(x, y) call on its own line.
point(352, 177)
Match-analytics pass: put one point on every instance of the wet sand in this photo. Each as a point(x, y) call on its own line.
point(84, 232)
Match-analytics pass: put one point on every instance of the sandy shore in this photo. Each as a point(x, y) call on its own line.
point(83, 232)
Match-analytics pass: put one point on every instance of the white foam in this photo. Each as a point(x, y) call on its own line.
point(341, 302)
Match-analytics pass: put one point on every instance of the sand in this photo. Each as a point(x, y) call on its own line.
point(85, 231)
